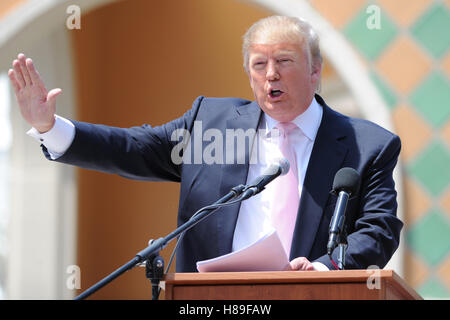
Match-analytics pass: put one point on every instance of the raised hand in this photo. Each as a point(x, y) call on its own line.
point(36, 104)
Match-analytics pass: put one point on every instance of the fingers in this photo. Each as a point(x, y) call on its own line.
point(25, 73)
point(18, 74)
point(24, 69)
point(12, 78)
point(301, 264)
point(34, 74)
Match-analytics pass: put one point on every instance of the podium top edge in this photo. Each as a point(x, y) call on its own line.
point(280, 276)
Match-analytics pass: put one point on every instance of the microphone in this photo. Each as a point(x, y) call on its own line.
point(346, 183)
point(279, 168)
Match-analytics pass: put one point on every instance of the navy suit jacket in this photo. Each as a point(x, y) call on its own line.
point(145, 152)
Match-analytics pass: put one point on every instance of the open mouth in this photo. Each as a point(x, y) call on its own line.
point(275, 93)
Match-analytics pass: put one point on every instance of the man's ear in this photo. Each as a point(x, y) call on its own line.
point(316, 69)
point(316, 73)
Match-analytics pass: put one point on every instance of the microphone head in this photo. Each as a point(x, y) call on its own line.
point(284, 165)
point(348, 180)
point(278, 165)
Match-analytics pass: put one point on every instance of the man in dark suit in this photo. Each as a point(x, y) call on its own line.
point(282, 59)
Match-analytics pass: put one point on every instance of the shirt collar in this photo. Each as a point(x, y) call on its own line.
point(308, 121)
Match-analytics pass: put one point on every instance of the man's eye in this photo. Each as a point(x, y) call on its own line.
point(258, 65)
point(284, 60)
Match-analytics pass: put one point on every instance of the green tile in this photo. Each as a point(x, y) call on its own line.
point(431, 168)
point(370, 42)
point(386, 92)
point(430, 237)
point(432, 99)
point(434, 289)
point(432, 30)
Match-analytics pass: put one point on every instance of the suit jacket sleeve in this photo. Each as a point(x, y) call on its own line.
point(374, 233)
point(141, 153)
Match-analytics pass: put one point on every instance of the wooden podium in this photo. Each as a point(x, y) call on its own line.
point(289, 285)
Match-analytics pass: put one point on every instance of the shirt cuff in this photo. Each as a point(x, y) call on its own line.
point(319, 266)
point(58, 139)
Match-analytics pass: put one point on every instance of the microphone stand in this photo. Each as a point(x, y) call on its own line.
point(154, 271)
point(342, 244)
point(151, 252)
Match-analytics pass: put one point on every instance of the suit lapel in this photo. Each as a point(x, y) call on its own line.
point(247, 117)
point(326, 158)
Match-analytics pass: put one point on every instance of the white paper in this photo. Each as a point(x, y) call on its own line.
point(266, 254)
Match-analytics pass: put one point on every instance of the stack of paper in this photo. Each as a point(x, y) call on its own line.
point(266, 254)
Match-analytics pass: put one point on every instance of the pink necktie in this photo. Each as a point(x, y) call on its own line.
point(286, 197)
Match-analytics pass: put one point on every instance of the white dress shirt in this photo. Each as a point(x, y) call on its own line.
point(254, 214)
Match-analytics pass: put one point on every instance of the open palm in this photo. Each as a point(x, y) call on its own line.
point(36, 104)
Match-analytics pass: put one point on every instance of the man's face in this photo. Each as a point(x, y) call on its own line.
point(282, 79)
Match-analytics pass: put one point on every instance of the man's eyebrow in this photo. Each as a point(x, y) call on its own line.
point(257, 55)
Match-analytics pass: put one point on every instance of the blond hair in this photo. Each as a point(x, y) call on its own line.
point(276, 29)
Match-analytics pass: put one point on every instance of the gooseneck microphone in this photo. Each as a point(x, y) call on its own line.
point(279, 168)
point(346, 184)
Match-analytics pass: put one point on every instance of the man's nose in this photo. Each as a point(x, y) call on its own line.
point(272, 71)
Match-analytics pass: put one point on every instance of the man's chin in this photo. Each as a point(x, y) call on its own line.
point(279, 111)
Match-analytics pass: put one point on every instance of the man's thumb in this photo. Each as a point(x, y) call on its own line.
point(51, 96)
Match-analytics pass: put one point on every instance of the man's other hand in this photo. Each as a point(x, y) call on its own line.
point(300, 264)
